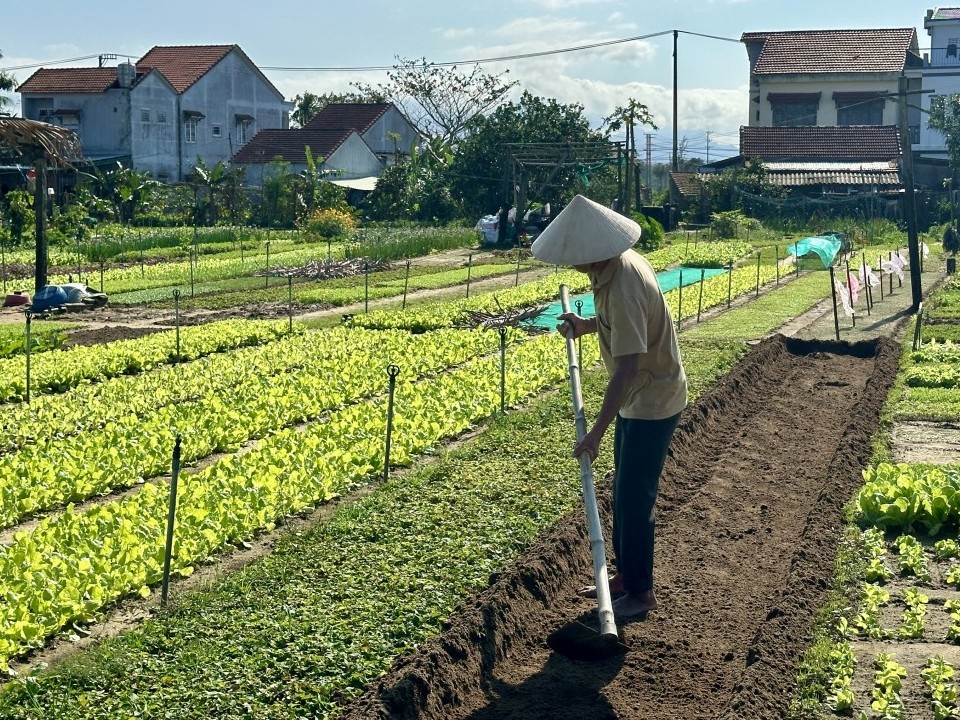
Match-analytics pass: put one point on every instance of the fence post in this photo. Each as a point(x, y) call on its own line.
point(880, 270)
point(516, 282)
point(406, 282)
point(101, 276)
point(729, 283)
point(776, 255)
point(392, 372)
point(579, 304)
point(171, 514)
point(191, 273)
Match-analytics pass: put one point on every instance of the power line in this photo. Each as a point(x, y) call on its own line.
point(479, 61)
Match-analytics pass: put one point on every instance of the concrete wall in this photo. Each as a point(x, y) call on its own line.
point(761, 114)
point(104, 120)
point(381, 144)
point(154, 127)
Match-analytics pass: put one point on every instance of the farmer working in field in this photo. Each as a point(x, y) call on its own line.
point(647, 388)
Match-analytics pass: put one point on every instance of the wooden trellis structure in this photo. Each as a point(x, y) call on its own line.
point(545, 160)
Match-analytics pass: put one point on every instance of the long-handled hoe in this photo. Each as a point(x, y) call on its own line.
point(576, 640)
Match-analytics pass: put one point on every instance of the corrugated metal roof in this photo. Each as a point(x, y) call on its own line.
point(950, 13)
point(878, 166)
point(833, 51)
point(820, 177)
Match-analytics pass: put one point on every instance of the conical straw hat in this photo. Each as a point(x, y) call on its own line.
point(585, 232)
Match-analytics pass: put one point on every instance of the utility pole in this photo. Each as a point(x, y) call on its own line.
point(909, 204)
point(676, 165)
point(649, 160)
point(708, 146)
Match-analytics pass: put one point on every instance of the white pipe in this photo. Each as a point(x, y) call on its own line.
point(608, 625)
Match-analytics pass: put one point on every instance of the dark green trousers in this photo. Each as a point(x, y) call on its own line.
point(639, 453)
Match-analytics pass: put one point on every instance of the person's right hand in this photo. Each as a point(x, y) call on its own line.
point(572, 326)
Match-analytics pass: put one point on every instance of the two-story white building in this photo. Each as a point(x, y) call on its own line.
point(941, 78)
point(158, 115)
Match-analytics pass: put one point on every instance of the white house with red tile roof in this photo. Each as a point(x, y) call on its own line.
point(382, 126)
point(823, 107)
point(941, 76)
point(159, 114)
point(339, 150)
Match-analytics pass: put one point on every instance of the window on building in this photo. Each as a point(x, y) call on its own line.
point(794, 113)
point(145, 115)
point(161, 116)
point(215, 131)
point(190, 130)
point(952, 44)
point(241, 133)
point(861, 111)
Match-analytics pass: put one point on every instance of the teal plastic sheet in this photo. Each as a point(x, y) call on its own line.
point(825, 246)
point(667, 280)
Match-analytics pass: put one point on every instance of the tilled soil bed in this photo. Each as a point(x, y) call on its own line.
point(749, 516)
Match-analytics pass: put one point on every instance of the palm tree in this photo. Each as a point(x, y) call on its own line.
point(7, 84)
point(41, 145)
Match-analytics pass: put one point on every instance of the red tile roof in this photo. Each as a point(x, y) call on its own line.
point(853, 142)
point(356, 116)
point(69, 80)
point(833, 51)
point(288, 144)
point(183, 65)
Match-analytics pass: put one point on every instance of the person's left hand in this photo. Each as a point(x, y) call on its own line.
point(589, 445)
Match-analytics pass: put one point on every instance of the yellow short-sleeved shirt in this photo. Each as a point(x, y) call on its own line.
point(633, 318)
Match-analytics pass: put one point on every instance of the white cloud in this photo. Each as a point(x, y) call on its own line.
point(563, 4)
point(456, 33)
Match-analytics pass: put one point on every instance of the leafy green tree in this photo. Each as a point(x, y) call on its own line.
point(278, 204)
point(127, 192)
point(7, 84)
point(217, 191)
point(440, 101)
point(945, 118)
point(627, 118)
point(481, 158)
point(20, 213)
point(416, 188)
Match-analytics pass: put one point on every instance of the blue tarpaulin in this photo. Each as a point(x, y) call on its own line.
point(825, 246)
point(667, 280)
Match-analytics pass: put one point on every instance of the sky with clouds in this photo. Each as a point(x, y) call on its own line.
point(296, 43)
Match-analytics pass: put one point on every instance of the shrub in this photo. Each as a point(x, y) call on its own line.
point(652, 235)
point(329, 223)
point(729, 224)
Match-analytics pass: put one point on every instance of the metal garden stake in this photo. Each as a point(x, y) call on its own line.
point(503, 369)
point(266, 274)
point(366, 287)
point(392, 372)
point(700, 299)
point(729, 283)
point(917, 327)
point(850, 293)
point(176, 319)
point(516, 282)
point(290, 300)
point(758, 275)
point(406, 283)
point(101, 276)
point(680, 301)
point(776, 255)
point(833, 294)
point(168, 547)
point(879, 270)
point(469, 268)
point(27, 350)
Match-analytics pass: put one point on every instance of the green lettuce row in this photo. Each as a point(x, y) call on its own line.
point(444, 314)
point(60, 370)
point(177, 274)
point(905, 497)
point(72, 565)
point(742, 282)
point(129, 449)
point(933, 375)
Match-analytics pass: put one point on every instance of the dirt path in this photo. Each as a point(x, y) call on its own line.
point(749, 515)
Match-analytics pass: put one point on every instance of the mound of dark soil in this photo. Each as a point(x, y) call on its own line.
point(749, 516)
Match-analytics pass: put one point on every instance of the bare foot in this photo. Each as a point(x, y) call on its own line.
point(615, 584)
point(631, 606)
